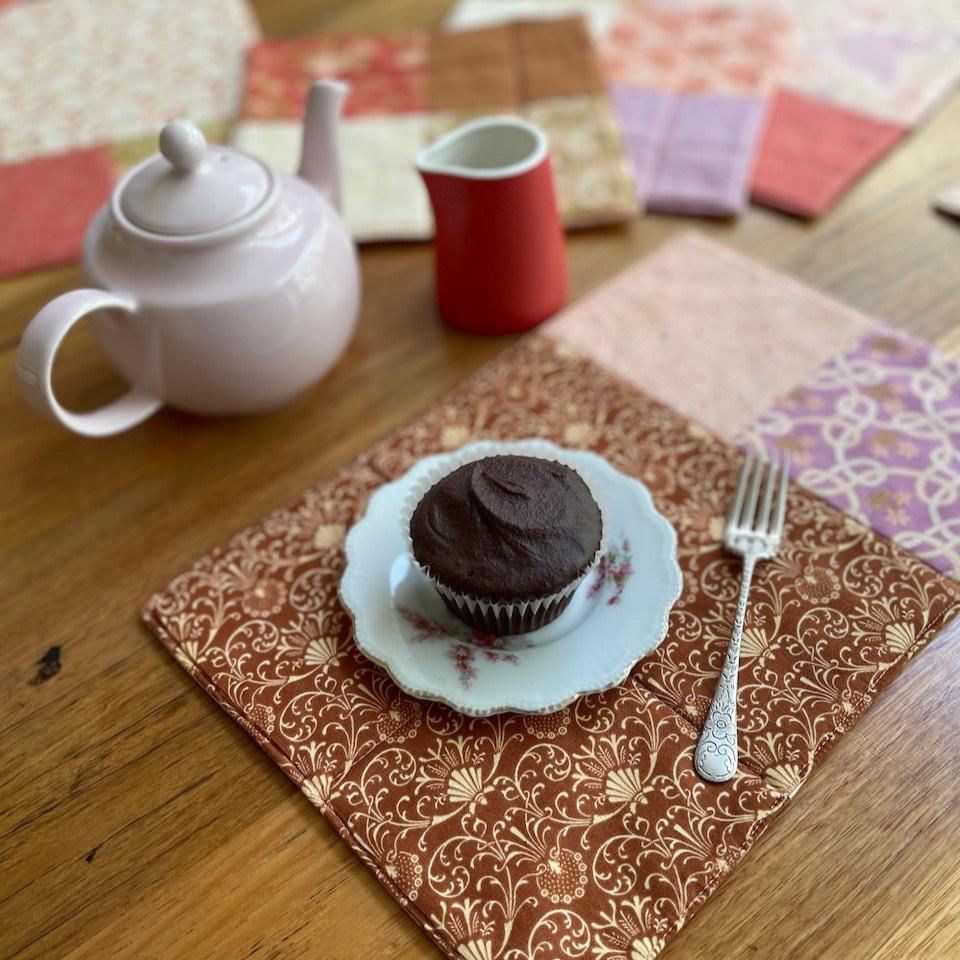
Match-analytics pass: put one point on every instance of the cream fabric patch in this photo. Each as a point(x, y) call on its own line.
point(382, 194)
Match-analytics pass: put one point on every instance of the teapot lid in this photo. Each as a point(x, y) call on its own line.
point(191, 188)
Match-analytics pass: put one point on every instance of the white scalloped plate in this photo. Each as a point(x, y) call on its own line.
point(618, 614)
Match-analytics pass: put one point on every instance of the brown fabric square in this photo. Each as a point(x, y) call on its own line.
point(259, 625)
point(475, 68)
point(556, 58)
point(506, 66)
point(587, 827)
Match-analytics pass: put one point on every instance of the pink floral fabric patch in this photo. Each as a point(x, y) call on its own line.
point(74, 113)
point(722, 49)
point(715, 335)
point(876, 432)
point(882, 59)
point(79, 73)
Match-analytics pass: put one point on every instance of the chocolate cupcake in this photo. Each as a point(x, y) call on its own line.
point(506, 540)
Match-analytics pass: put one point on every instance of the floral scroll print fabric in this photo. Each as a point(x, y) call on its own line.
point(585, 830)
point(876, 432)
point(584, 833)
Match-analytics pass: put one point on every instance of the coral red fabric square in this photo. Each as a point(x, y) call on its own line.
point(47, 203)
point(811, 151)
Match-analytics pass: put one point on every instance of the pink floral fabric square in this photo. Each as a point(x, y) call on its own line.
point(882, 59)
point(717, 49)
point(714, 335)
point(80, 73)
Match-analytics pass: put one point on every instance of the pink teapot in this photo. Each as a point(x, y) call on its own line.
point(224, 286)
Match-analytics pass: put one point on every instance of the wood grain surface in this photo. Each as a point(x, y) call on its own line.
point(136, 820)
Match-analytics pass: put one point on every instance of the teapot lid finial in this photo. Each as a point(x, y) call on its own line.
point(194, 189)
point(183, 144)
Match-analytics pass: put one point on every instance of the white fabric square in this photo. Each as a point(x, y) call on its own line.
point(471, 14)
point(383, 195)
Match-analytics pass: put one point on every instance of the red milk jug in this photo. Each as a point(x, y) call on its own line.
point(500, 259)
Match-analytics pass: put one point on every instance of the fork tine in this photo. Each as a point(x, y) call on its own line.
point(763, 520)
point(777, 528)
point(753, 498)
point(734, 515)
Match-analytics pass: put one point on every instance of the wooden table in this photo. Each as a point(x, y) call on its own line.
point(137, 821)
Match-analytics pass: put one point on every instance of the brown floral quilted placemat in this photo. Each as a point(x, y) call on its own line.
point(585, 831)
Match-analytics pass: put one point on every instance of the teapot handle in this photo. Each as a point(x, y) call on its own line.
point(38, 350)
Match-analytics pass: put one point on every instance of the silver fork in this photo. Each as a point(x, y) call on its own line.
point(753, 535)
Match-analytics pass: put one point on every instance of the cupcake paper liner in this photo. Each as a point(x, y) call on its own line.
point(500, 618)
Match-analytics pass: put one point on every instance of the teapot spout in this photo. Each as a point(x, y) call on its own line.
point(319, 163)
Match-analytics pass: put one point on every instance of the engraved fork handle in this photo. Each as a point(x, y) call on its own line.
point(716, 756)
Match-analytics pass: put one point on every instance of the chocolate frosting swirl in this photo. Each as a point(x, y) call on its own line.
point(507, 528)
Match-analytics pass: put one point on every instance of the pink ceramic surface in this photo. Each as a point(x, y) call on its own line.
point(225, 287)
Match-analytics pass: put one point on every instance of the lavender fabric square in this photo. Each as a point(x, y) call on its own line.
point(691, 153)
point(641, 111)
point(876, 432)
point(643, 117)
point(710, 121)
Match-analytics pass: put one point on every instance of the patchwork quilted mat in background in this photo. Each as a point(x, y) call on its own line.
point(841, 82)
point(587, 830)
point(85, 86)
point(696, 105)
point(407, 90)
